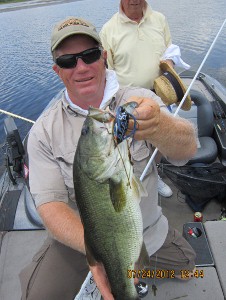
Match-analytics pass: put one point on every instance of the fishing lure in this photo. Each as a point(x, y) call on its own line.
point(121, 124)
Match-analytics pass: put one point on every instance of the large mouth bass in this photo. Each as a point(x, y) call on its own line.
point(108, 195)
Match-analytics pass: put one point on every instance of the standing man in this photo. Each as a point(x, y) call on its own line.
point(137, 39)
point(59, 269)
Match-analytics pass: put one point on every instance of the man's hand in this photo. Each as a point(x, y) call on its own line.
point(174, 137)
point(101, 281)
point(169, 62)
point(147, 115)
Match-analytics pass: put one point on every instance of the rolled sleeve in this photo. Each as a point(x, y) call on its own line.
point(45, 177)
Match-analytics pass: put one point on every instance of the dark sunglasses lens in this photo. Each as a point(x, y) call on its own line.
point(69, 61)
point(66, 61)
point(91, 56)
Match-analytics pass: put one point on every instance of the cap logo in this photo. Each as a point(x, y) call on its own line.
point(72, 22)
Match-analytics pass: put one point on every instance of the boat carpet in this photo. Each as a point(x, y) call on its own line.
point(18, 248)
point(8, 209)
point(215, 231)
point(198, 288)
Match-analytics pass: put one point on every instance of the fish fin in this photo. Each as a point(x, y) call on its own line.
point(144, 259)
point(140, 189)
point(117, 194)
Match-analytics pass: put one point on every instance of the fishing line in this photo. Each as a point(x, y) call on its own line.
point(123, 163)
point(183, 99)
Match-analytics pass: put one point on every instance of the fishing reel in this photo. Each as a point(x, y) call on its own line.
point(14, 149)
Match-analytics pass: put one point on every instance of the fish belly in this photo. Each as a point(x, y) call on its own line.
point(113, 238)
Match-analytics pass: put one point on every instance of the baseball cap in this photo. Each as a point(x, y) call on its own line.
point(71, 26)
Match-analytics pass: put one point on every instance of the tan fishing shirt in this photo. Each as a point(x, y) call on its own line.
point(52, 144)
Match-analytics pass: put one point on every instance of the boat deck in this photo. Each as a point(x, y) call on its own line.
point(18, 248)
point(213, 283)
point(178, 212)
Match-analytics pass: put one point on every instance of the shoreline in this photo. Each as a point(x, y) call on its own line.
point(31, 4)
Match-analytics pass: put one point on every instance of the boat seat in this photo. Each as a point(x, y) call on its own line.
point(204, 120)
point(207, 150)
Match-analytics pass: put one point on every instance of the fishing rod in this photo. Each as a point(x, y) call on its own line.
point(183, 99)
point(15, 116)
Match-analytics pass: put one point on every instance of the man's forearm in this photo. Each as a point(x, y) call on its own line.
point(175, 137)
point(64, 224)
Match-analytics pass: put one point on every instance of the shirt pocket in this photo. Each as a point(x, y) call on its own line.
point(140, 155)
point(65, 162)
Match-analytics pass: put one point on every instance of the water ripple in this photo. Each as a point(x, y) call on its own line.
point(28, 82)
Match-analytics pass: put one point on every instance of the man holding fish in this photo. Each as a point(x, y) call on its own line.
point(60, 267)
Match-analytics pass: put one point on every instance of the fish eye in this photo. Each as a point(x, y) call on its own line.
point(85, 130)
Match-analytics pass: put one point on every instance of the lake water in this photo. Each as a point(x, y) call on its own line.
point(27, 82)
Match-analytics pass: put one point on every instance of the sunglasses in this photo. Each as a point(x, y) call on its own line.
point(69, 61)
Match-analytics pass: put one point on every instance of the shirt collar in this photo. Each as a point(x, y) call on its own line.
point(110, 90)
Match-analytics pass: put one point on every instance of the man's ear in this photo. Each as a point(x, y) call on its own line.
point(56, 69)
point(105, 54)
point(105, 58)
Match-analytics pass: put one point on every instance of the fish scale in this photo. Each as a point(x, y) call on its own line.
point(108, 202)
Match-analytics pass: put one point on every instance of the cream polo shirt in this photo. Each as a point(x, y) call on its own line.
point(135, 50)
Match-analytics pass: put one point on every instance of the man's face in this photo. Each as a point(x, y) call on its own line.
point(85, 83)
point(131, 7)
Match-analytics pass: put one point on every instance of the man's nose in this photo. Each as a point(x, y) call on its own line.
point(134, 2)
point(81, 64)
